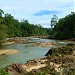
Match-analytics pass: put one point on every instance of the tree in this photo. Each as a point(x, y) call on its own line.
point(1, 12)
point(11, 27)
point(65, 28)
point(54, 21)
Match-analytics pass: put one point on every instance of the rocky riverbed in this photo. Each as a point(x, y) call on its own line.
point(27, 40)
point(56, 62)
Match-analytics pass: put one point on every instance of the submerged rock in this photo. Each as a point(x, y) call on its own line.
point(8, 51)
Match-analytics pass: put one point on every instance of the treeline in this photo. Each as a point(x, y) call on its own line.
point(11, 27)
point(65, 28)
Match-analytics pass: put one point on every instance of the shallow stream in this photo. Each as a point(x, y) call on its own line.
point(27, 53)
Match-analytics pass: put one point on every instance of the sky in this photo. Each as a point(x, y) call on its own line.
point(38, 11)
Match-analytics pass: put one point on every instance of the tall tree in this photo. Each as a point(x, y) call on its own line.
point(54, 21)
point(65, 28)
point(1, 12)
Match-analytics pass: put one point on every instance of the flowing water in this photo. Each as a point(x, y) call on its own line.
point(26, 53)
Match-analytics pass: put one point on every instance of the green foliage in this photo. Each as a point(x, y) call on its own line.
point(11, 27)
point(65, 28)
point(3, 29)
point(1, 12)
point(31, 29)
point(71, 72)
point(54, 20)
point(3, 72)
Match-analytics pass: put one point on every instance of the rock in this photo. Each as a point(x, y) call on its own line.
point(69, 49)
point(16, 69)
point(49, 52)
point(70, 44)
point(32, 65)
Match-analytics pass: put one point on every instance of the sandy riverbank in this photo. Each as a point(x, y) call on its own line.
point(8, 51)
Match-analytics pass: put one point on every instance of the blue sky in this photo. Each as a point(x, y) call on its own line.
point(37, 11)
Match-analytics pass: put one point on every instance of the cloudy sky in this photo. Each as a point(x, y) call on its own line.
point(37, 11)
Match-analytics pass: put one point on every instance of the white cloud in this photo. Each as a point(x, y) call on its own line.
point(11, 8)
point(25, 9)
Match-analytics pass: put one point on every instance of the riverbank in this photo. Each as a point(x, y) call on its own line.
point(8, 51)
point(16, 69)
point(22, 39)
point(56, 62)
point(26, 40)
point(14, 40)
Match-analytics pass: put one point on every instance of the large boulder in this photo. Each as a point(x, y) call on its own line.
point(68, 49)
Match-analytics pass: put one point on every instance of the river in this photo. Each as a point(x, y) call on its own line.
point(27, 53)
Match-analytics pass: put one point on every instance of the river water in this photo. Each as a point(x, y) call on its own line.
point(27, 53)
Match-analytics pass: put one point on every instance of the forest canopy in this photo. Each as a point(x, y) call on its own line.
point(11, 27)
point(65, 27)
